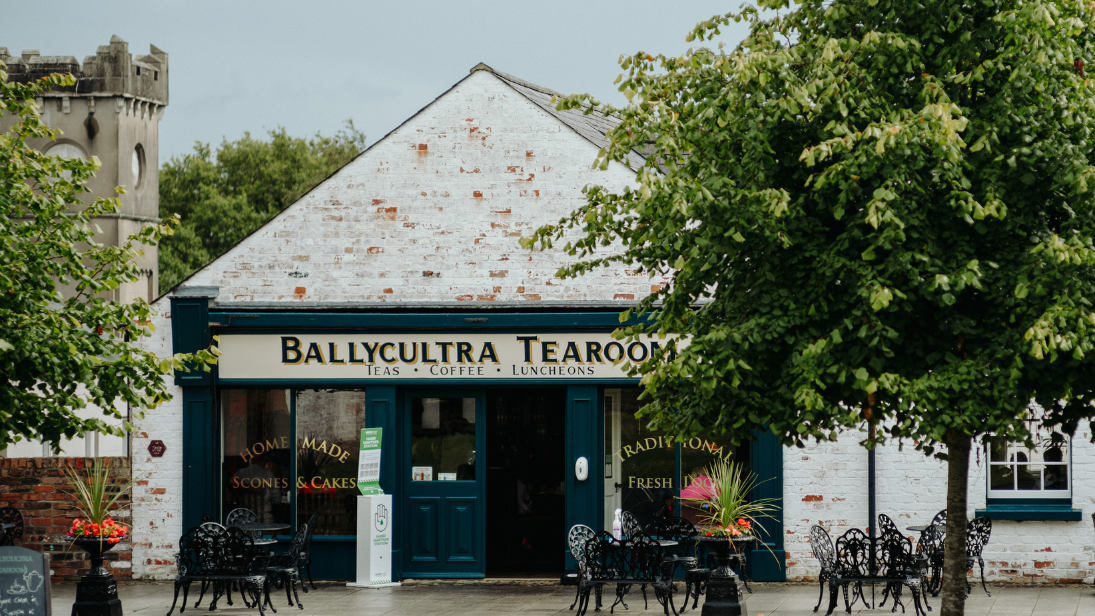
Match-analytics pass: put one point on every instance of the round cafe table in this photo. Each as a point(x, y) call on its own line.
point(258, 529)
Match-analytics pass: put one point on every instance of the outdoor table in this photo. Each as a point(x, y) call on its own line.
point(257, 529)
point(920, 529)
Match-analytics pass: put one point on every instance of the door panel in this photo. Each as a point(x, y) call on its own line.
point(461, 517)
point(423, 529)
point(444, 433)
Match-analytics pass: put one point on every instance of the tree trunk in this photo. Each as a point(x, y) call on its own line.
point(954, 554)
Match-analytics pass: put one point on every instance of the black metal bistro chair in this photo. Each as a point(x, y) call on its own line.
point(284, 567)
point(929, 552)
point(12, 516)
point(822, 547)
point(978, 531)
point(577, 537)
point(306, 551)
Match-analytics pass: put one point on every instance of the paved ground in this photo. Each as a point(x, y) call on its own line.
point(154, 599)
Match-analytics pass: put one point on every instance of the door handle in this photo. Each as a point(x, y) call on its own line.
point(618, 485)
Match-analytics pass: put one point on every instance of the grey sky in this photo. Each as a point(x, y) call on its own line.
point(309, 66)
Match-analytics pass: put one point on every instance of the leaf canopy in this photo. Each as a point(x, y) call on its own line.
point(872, 210)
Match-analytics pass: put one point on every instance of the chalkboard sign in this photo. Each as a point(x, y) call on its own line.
point(24, 582)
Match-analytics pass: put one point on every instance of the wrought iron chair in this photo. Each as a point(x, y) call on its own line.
point(242, 516)
point(306, 551)
point(822, 547)
point(631, 527)
point(929, 552)
point(11, 515)
point(219, 558)
point(285, 567)
point(896, 563)
point(977, 535)
point(577, 537)
point(635, 560)
point(684, 556)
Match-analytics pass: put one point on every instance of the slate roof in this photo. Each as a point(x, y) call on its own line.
point(593, 126)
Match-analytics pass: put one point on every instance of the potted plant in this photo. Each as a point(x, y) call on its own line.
point(722, 495)
point(96, 532)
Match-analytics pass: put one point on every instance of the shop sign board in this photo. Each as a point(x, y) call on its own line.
point(461, 356)
point(368, 462)
point(24, 582)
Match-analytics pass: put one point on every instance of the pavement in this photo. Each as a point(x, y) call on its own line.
point(494, 598)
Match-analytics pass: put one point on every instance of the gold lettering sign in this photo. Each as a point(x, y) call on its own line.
point(262, 447)
point(666, 442)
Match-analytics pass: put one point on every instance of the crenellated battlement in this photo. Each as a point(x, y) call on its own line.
point(112, 71)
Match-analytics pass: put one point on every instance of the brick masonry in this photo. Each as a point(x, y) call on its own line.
point(39, 489)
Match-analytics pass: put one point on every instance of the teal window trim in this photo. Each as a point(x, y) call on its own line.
point(1027, 509)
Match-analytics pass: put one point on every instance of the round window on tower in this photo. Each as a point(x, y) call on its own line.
point(138, 166)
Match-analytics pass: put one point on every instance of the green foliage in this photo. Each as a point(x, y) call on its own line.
point(95, 493)
point(223, 196)
point(62, 353)
point(729, 498)
point(871, 210)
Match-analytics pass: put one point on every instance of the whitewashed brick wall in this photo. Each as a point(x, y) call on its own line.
point(157, 482)
point(827, 485)
point(433, 214)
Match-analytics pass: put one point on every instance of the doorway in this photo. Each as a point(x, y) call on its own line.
point(526, 495)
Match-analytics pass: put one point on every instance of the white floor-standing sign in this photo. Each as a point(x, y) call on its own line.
point(374, 518)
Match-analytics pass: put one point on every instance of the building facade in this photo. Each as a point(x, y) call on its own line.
point(395, 295)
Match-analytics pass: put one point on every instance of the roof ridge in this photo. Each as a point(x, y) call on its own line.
point(506, 76)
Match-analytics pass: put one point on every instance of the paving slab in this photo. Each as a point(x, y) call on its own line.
point(539, 599)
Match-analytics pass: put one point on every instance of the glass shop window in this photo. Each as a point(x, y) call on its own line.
point(641, 464)
point(443, 439)
point(255, 462)
point(329, 424)
point(1018, 471)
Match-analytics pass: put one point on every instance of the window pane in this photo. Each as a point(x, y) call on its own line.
point(1001, 477)
point(255, 461)
point(329, 424)
point(443, 439)
point(1056, 477)
point(1028, 477)
point(642, 462)
point(998, 450)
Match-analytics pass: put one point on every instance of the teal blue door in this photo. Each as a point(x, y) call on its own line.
point(443, 482)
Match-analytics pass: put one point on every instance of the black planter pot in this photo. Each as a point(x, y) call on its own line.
point(96, 592)
point(723, 595)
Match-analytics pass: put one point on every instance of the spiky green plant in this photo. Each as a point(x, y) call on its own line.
point(726, 500)
point(95, 494)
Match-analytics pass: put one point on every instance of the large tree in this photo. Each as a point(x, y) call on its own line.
point(224, 196)
point(61, 353)
point(875, 213)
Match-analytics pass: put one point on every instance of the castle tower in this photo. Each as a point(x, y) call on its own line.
point(113, 112)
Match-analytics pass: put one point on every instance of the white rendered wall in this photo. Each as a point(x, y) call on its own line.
point(827, 485)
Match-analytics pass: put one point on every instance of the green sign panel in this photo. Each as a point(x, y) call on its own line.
point(368, 462)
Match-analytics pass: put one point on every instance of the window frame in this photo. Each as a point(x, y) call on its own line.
point(1015, 494)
